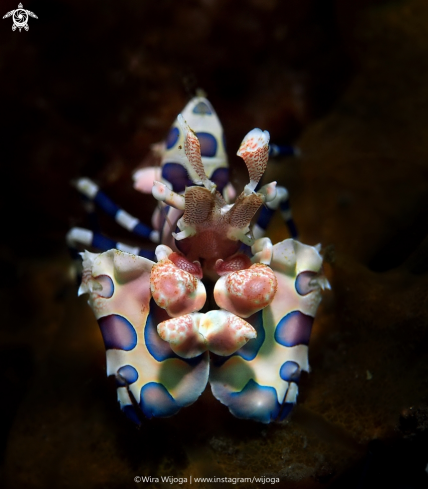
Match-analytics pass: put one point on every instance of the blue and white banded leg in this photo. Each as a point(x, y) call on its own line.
point(80, 237)
point(282, 202)
point(91, 190)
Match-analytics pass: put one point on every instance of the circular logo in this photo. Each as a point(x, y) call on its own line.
point(20, 17)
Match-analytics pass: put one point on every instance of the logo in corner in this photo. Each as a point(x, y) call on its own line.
point(20, 17)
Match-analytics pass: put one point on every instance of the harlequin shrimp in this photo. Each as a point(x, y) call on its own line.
point(165, 337)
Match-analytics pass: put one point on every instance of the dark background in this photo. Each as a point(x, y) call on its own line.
point(86, 91)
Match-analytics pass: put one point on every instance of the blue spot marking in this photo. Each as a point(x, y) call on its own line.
point(118, 333)
point(251, 348)
point(294, 329)
point(157, 401)
point(202, 108)
point(254, 401)
point(172, 137)
point(290, 372)
point(302, 283)
point(208, 144)
point(221, 178)
point(158, 348)
point(126, 375)
point(131, 414)
point(107, 286)
point(177, 176)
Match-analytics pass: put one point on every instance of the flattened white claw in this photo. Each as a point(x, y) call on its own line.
point(292, 257)
point(121, 305)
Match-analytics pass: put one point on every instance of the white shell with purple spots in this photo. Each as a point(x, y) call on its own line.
point(151, 378)
point(260, 381)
